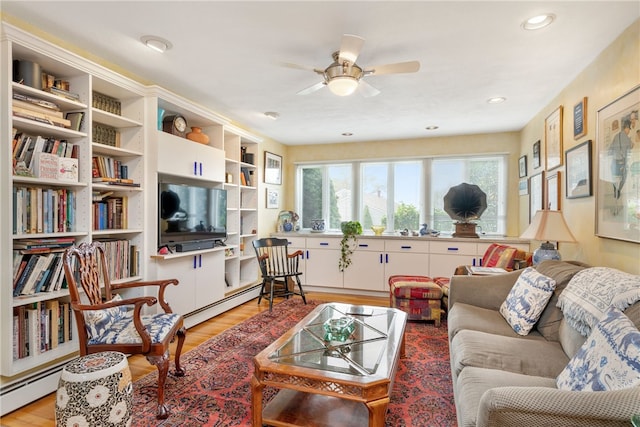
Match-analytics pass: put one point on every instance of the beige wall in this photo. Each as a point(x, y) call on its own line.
point(611, 75)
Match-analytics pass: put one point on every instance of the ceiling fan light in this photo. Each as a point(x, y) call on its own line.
point(343, 86)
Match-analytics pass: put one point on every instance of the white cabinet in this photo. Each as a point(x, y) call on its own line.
point(406, 257)
point(322, 262)
point(367, 267)
point(446, 256)
point(197, 275)
point(182, 157)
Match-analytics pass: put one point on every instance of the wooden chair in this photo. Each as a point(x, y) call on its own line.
point(118, 324)
point(280, 269)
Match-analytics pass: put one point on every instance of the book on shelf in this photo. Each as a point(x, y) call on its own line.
point(40, 117)
point(37, 108)
point(75, 118)
point(102, 179)
point(63, 93)
point(52, 106)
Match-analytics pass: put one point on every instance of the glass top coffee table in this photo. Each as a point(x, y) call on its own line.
point(334, 368)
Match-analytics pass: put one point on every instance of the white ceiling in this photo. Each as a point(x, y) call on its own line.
point(229, 56)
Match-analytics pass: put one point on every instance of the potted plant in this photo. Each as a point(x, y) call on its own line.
point(350, 231)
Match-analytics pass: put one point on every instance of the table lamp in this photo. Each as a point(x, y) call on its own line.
point(548, 225)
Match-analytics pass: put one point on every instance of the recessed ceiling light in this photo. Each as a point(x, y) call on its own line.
point(539, 21)
point(272, 115)
point(347, 134)
point(496, 100)
point(432, 127)
point(156, 43)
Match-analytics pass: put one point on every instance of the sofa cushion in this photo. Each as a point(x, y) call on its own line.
point(561, 271)
point(498, 255)
point(590, 293)
point(608, 360)
point(474, 382)
point(514, 354)
point(528, 297)
point(466, 316)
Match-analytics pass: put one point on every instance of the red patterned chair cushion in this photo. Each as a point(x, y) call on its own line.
point(418, 296)
point(497, 255)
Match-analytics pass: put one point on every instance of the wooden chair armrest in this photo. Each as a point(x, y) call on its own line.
point(162, 284)
point(295, 254)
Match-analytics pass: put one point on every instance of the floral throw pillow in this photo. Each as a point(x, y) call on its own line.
point(526, 300)
point(98, 321)
point(608, 360)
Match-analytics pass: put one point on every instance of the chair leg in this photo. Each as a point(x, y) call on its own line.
point(264, 283)
point(273, 283)
point(182, 334)
point(162, 363)
point(304, 299)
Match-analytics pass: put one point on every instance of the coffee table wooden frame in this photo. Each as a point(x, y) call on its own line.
point(315, 397)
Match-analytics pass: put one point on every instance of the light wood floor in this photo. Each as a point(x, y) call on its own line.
point(41, 413)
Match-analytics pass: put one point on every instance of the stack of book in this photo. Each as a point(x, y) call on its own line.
point(40, 110)
point(40, 327)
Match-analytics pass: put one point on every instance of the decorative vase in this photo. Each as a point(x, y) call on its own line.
point(197, 135)
point(160, 117)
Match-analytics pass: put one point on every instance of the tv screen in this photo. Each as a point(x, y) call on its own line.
point(189, 213)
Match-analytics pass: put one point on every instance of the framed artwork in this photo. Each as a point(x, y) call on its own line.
point(580, 119)
point(618, 159)
point(553, 139)
point(536, 154)
point(536, 200)
point(272, 168)
point(523, 187)
point(273, 198)
point(552, 193)
point(522, 166)
point(578, 164)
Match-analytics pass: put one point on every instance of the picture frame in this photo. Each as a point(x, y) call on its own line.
point(272, 168)
point(578, 162)
point(553, 191)
point(523, 187)
point(522, 166)
point(580, 119)
point(617, 183)
point(536, 154)
point(553, 139)
point(536, 194)
point(273, 198)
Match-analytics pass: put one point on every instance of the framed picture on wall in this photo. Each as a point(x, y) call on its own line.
point(578, 164)
point(272, 168)
point(580, 119)
point(522, 167)
point(536, 194)
point(273, 198)
point(618, 178)
point(553, 139)
point(536, 154)
point(552, 193)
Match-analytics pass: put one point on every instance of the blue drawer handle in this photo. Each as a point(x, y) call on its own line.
point(405, 247)
point(324, 244)
point(453, 249)
point(195, 168)
point(200, 168)
point(380, 258)
point(363, 246)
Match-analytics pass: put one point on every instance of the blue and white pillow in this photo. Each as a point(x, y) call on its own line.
point(527, 299)
point(608, 360)
point(97, 322)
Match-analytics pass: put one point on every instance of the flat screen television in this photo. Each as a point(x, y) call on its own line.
point(190, 213)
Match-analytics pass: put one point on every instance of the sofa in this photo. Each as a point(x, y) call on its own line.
point(502, 377)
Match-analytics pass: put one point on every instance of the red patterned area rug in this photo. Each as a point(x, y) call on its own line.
point(216, 390)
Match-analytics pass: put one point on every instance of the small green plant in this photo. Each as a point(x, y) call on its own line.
point(350, 231)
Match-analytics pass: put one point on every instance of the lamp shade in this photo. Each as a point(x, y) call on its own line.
point(548, 225)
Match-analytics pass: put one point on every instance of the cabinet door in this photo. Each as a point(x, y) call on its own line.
point(181, 298)
point(181, 157)
point(446, 256)
point(210, 286)
point(405, 257)
point(299, 244)
point(367, 268)
point(322, 262)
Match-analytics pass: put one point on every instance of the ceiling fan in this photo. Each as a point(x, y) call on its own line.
point(344, 76)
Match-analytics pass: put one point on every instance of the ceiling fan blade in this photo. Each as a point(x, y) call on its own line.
point(312, 89)
point(367, 90)
point(350, 48)
point(296, 66)
point(400, 67)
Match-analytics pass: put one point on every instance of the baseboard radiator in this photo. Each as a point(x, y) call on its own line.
point(26, 390)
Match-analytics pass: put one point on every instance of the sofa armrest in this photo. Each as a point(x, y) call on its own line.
point(540, 406)
point(482, 291)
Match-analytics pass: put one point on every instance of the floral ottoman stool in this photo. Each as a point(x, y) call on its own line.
point(95, 390)
point(418, 296)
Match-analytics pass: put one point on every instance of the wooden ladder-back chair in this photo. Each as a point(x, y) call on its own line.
point(117, 324)
point(280, 269)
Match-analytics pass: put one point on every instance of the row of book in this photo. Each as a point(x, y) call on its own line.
point(40, 327)
point(26, 148)
point(123, 258)
point(43, 210)
point(107, 169)
point(110, 213)
point(246, 177)
point(105, 135)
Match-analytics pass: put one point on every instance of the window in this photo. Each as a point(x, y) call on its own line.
point(400, 194)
